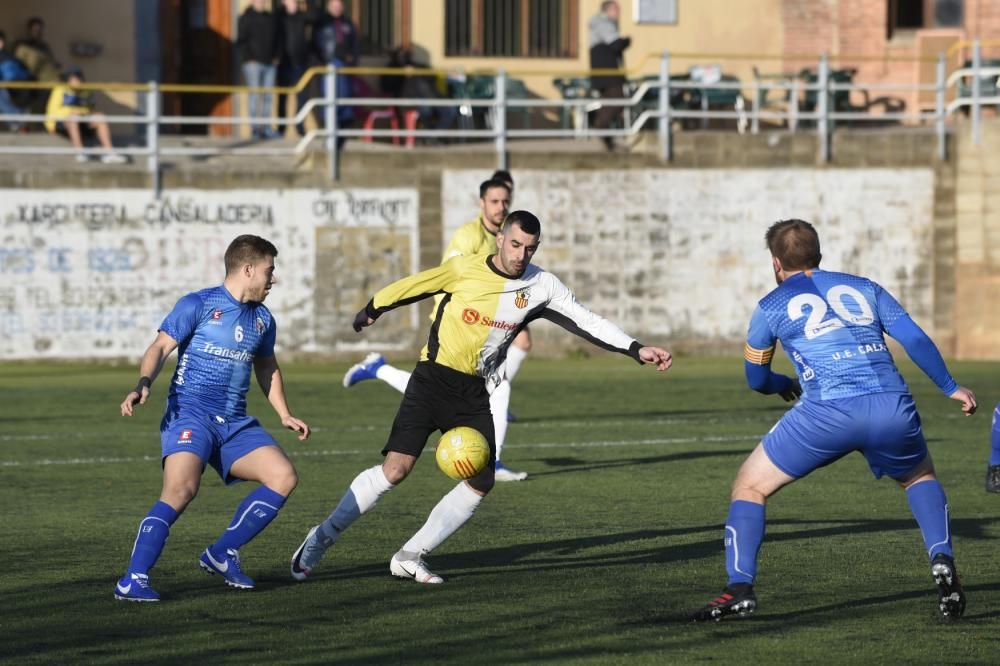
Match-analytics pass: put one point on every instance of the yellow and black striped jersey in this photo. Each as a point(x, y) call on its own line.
point(482, 310)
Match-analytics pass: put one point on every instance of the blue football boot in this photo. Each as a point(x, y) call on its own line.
point(228, 567)
point(135, 587)
point(364, 370)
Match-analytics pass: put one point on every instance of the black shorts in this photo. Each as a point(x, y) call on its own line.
point(86, 131)
point(439, 398)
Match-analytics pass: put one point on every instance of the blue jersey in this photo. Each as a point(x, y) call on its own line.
point(831, 325)
point(218, 339)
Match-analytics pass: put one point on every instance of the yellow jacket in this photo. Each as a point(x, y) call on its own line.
point(65, 102)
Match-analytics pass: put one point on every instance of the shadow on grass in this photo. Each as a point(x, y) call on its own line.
point(572, 465)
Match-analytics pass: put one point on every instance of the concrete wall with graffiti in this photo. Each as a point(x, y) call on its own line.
point(673, 255)
point(91, 273)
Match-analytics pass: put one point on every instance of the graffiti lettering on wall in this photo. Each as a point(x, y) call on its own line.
point(92, 273)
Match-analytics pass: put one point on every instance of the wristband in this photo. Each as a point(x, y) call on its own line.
point(144, 382)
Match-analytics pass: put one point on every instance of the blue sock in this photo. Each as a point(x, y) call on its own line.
point(744, 533)
point(930, 508)
point(995, 437)
point(153, 532)
point(253, 514)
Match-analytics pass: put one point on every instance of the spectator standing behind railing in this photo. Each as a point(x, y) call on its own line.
point(294, 25)
point(66, 103)
point(259, 42)
point(335, 42)
point(11, 69)
point(607, 49)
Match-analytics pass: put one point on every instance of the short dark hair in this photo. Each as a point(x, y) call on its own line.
point(504, 175)
point(248, 249)
point(527, 221)
point(795, 243)
point(35, 20)
point(488, 185)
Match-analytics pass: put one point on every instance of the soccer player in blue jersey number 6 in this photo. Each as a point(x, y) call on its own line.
point(853, 399)
point(221, 333)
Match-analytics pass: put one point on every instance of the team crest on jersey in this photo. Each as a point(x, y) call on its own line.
point(185, 437)
point(260, 325)
point(521, 298)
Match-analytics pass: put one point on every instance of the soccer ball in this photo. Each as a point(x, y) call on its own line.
point(462, 453)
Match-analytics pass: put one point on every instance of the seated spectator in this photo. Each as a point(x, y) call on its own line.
point(418, 86)
point(67, 103)
point(36, 54)
point(11, 69)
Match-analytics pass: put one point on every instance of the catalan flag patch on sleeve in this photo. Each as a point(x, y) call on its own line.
point(758, 356)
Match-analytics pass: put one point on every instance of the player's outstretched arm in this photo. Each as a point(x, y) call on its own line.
point(149, 368)
point(967, 398)
point(269, 377)
point(661, 358)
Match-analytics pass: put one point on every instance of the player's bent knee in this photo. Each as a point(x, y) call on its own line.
point(179, 496)
point(395, 471)
point(283, 481)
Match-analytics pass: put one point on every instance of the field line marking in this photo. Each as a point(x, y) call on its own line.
point(104, 460)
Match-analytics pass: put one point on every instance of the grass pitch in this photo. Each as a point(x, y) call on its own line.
point(596, 558)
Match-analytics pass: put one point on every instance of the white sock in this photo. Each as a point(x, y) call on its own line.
point(453, 511)
point(499, 401)
point(364, 492)
point(394, 377)
point(515, 357)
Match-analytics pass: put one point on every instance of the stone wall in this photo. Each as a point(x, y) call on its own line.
point(941, 217)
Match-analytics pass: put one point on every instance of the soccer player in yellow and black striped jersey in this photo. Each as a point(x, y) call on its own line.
point(487, 300)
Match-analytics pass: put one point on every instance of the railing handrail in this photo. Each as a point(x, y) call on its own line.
point(818, 106)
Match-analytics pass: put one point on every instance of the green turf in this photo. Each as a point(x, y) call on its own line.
point(595, 558)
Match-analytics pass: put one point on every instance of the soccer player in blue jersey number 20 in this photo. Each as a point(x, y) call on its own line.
point(852, 399)
point(221, 333)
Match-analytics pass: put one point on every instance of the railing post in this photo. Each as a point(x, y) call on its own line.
point(755, 107)
point(823, 107)
point(977, 109)
point(939, 109)
point(153, 136)
point(793, 107)
point(330, 116)
point(664, 108)
point(500, 127)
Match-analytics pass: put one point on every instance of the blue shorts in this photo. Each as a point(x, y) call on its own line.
point(218, 441)
point(884, 427)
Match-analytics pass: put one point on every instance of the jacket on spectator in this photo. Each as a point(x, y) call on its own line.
point(37, 56)
point(295, 47)
point(607, 48)
point(12, 69)
point(336, 39)
point(258, 37)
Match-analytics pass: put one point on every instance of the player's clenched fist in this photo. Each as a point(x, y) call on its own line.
point(659, 357)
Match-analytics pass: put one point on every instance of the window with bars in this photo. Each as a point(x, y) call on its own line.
point(511, 28)
point(383, 25)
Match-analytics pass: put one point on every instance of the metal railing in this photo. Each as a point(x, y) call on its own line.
point(639, 110)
